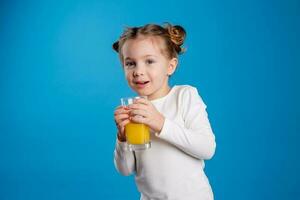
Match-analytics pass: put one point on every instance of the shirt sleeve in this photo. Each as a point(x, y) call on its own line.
point(124, 159)
point(196, 137)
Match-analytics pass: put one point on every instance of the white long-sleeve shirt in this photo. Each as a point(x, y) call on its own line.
point(173, 167)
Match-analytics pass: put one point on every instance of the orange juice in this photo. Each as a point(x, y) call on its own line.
point(137, 133)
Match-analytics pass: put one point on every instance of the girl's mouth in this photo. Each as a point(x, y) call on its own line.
point(141, 84)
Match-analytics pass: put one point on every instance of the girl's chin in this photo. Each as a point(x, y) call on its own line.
point(141, 92)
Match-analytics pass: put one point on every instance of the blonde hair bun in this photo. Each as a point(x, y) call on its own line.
point(177, 36)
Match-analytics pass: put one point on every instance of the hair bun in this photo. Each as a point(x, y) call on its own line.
point(177, 36)
point(116, 46)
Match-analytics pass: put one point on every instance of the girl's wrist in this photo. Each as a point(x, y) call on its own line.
point(160, 124)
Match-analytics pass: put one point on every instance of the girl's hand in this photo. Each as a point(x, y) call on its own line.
point(143, 111)
point(121, 116)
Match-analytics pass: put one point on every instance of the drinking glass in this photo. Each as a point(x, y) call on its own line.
point(137, 134)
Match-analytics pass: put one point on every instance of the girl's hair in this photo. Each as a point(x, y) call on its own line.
point(173, 37)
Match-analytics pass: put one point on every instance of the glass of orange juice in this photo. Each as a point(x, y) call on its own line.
point(137, 135)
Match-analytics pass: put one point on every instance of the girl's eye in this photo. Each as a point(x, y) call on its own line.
point(150, 61)
point(129, 64)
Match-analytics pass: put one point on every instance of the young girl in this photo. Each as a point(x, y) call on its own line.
point(181, 135)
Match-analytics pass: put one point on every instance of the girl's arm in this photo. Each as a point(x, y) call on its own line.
point(124, 159)
point(196, 136)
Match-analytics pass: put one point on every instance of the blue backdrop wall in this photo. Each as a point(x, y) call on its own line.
point(60, 82)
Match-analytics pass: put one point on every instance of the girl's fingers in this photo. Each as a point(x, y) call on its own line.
point(118, 107)
point(142, 101)
point(123, 123)
point(138, 106)
point(138, 112)
point(121, 117)
point(138, 119)
point(121, 110)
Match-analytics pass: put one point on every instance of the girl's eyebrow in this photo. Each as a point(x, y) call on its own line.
point(128, 58)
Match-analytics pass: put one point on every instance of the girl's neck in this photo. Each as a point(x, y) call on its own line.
point(163, 92)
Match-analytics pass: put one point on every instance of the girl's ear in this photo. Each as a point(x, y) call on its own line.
point(172, 66)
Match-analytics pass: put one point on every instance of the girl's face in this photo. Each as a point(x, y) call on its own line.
point(146, 68)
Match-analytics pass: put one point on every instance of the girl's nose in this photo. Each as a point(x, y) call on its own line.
point(138, 71)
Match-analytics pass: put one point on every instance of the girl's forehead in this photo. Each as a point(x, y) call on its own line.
point(143, 45)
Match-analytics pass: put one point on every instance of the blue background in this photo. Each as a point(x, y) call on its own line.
point(60, 81)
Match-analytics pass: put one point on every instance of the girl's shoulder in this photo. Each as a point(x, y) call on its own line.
point(185, 89)
point(187, 94)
